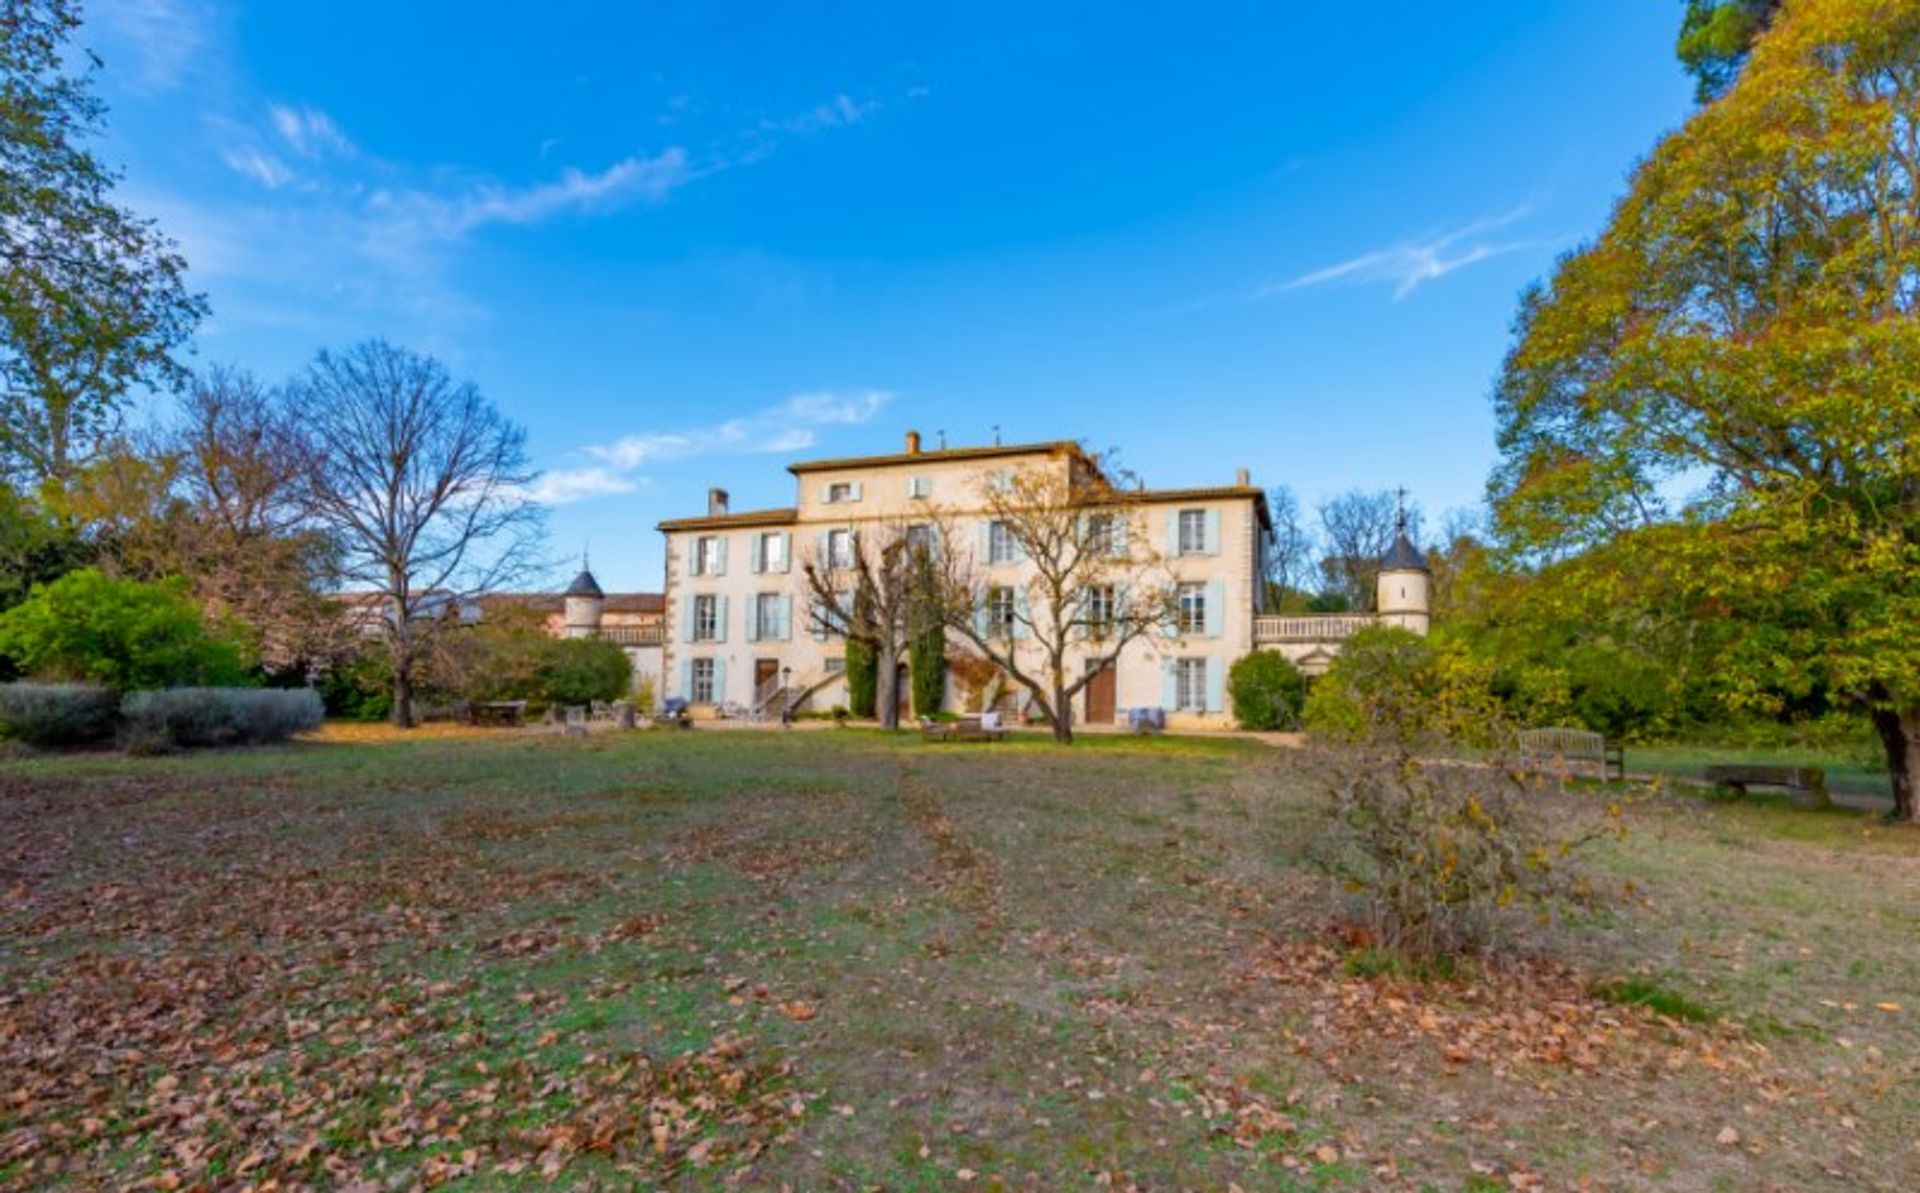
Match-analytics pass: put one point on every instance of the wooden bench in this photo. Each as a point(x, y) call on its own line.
point(1571, 748)
point(1809, 781)
point(970, 727)
point(507, 713)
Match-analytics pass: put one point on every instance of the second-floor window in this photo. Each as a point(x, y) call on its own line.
point(766, 616)
point(1000, 610)
point(920, 537)
point(706, 618)
point(1192, 613)
point(1193, 532)
point(706, 555)
point(840, 491)
point(839, 548)
point(1000, 544)
point(920, 487)
point(773, 552)
point(1101, 539)
point(1099, 609)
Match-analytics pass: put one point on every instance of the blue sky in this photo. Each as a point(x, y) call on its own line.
point(686, 244)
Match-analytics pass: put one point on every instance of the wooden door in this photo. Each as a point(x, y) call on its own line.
point(765, 671)
point(1099, 692)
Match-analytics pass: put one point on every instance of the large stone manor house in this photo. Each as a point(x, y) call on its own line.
point(733, 635)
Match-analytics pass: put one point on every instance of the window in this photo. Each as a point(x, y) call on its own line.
point(839, 491)
point(920, 537)
point(1000, 611)
point(706, 618)
point(1192, 617)
point(702, 675)
point(772, 551)
point(920, 487)
point(1101, 539)
point(1100, 607)
point(1000, 543)
point(766, 616)
point(1190, 685)
point(839, 548)
point(706, 555)
point(835, 666)
point(1193, 532)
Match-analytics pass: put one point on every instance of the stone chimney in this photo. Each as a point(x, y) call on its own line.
point(716, 502)
point(913, 443)
point(1242, 477)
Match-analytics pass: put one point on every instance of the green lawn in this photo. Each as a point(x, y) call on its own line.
point(838, 959)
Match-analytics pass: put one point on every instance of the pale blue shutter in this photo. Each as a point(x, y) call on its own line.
point(1019, 613)
point(980, 613)
point(784, 611)
point(751, 631)
point(786, 551)
point(757, 553)
point(1216, 609)
point(817, 611)
point(719, 619)
point(986, 542)
point(686, 619)
point(686, 680)
point(1119, 534)
point(719, 680)
point(720, 555)
point(1173, 532)
point(1216, 676)
point(857, 490)
point(1168, 697)
point(1213, 532)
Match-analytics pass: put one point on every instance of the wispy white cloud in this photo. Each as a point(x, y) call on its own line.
point(161, 38)
point(309, 132)
point(838, 112)
point(650, 179)
point(793, 425)
point(1411, 264)
point(264, 168)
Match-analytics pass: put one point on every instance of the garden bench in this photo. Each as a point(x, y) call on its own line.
point(970, 727)
point(1573, 748)
point(1809, 781)
point(507, 713)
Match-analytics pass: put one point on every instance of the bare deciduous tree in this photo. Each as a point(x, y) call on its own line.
point(876, 585)
point(1083, 582)
point(420, 482)
point(1289, 566)
point(1356, 529)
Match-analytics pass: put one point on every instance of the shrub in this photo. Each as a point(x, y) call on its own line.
point(86, 627)
point(1267, 691)
point(1392, 682)
point(360, 688)
point(928, 669)
point(184, 717)
point(1444, 856)
point(57, 714)
point(581, 670)
point(863, 678)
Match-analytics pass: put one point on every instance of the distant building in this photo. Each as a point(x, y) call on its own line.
point(737, 632)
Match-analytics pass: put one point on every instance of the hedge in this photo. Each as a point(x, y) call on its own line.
point(182, 717)
point(57, 714)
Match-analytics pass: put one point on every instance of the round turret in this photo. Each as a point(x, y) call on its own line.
point(584, 602)
point(1402, 594)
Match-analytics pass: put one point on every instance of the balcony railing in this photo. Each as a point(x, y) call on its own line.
point(630, 635)
point(1331, 628)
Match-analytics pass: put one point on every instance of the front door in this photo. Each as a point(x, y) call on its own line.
point(765, 671)
point(1100, 696)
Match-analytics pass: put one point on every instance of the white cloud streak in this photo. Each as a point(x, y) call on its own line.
point(793, 425)
point(162, 39)
point(309, 132)
point(1411, 264)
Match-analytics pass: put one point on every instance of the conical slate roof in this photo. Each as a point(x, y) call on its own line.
point(584, 585)
point(1403, 556)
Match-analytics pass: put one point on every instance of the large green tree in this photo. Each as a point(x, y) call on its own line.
point(1716, 36)
point(1728, 380)
point(93, 300)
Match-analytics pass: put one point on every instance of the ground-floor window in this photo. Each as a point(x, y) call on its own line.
point(702, 675)
point(1190, 685)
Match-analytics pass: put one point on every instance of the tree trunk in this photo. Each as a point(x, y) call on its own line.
point(1062, 716)
point(403, 697)
point(1900, 735)
point(888, 686)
